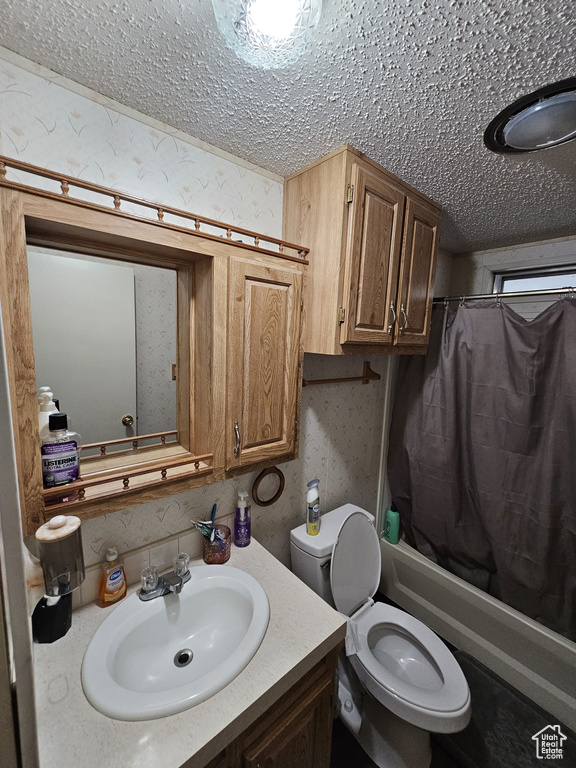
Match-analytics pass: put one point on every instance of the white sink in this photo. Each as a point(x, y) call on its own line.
point(131, 669)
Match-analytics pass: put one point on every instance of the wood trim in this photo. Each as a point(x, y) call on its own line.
point(185, 389)
point(219, 362)
point(17, 325)
point(117, 197)
point(100, 485)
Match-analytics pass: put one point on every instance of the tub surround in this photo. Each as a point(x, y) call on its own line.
point(303, 629)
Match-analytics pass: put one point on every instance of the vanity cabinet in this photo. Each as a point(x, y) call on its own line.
point(295, 733)
point(374, 243)
point(264, 319)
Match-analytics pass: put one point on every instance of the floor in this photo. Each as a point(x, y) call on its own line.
point(347, 753)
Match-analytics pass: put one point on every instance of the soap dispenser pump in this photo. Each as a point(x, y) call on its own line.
point(242, 521)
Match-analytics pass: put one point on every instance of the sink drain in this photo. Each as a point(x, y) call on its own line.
point(183, 657)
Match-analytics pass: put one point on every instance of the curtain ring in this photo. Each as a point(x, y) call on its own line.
point(256, 486)
point(462, 300)
point(445, 302)
point(498, 300)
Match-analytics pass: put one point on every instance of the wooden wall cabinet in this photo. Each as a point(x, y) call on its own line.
point(264, 323)
point(374, 242)
point(238, 344)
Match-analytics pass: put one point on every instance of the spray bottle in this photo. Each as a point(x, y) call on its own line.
point(313, 508)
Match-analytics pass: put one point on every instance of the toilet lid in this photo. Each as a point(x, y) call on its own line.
point(356, 560)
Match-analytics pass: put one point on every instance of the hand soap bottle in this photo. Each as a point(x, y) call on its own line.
point(46, 406)
point(242, 521)
point(113, 580)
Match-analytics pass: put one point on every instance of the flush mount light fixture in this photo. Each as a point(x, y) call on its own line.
point(267, 33)
point(543, 119)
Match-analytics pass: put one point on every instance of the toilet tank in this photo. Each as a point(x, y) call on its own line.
point(311, 555)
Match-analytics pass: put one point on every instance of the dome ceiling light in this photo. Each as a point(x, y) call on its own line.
point(543, 119)
point(267, 33)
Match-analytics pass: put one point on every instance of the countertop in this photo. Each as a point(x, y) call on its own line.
point(72, 734)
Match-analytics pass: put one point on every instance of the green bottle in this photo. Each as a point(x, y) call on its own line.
point(392, 525)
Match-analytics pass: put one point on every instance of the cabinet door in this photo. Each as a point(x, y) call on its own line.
point(264, 317)
point(421, 229)
point(372, 259)
point(300, 739)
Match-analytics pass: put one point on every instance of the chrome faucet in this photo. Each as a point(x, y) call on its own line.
point(153, 586)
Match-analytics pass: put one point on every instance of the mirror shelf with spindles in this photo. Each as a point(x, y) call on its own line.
point(54, 225)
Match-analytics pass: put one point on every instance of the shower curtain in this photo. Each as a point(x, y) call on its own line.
point(482, 457)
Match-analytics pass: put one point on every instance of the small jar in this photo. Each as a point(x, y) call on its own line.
point(218, 551)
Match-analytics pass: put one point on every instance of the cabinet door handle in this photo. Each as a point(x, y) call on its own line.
point(237, 433)
point(405, 323)
point(392, 324)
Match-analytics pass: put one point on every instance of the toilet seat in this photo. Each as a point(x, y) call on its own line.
point(356, 563)
point(441, 702)
point(451, 696)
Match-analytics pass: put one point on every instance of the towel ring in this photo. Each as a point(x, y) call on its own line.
point(256, 486)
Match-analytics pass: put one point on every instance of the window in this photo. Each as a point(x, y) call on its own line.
point(535, 279)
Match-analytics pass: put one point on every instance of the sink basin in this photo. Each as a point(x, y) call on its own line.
point(156, 658)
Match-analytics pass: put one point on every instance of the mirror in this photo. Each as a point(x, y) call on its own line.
point(105, 342)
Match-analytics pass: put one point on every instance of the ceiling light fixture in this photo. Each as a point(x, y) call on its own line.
point(543, 119)
point(267, 33)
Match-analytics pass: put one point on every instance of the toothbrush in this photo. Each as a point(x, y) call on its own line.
point(212, 519)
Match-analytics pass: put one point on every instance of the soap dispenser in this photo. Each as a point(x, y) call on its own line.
point(46, 406)
point(60, 553)
point(242, 521)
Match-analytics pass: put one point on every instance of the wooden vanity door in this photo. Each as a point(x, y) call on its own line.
point(415, 289)
point(264, 318)
point(372, 259)
point(300, 739)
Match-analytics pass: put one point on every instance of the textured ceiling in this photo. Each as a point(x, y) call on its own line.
point(412, 83)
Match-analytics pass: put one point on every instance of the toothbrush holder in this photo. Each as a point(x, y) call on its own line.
point(218, 551)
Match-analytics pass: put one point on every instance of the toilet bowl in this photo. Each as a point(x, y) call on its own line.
point(411, 682)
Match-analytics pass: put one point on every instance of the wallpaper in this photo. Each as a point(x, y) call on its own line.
point(45, 123)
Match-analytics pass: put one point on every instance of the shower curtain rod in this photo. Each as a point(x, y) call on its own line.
point(499, 296)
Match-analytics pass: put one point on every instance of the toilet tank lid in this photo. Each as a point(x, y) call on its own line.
point(321, 545)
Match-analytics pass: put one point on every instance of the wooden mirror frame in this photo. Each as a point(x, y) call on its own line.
point(127, 474)
point(122, 478)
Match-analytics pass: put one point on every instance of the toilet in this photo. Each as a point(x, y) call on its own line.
point(397, 680)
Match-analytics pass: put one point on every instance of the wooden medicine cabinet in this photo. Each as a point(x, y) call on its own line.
point(375, 242)
point(237, 341)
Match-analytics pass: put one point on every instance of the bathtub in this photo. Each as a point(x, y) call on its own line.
point(535, 660)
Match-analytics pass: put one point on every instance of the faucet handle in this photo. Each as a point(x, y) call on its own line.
point(149, 578)
point(181, 564)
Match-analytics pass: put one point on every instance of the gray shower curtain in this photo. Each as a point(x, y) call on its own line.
point(482, 457)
